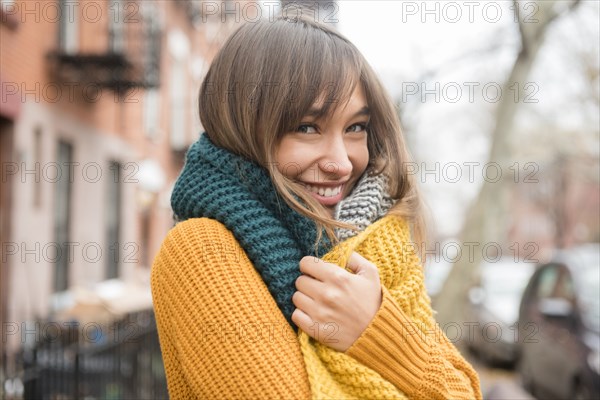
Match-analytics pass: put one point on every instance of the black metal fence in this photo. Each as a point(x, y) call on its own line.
point(70, 361)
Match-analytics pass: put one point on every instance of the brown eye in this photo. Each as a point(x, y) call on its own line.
point(305, 128)
point(357, 127)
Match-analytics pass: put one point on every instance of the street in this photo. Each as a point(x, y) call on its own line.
point(498, 383)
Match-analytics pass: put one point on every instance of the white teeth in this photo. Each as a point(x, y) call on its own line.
point(325, 192)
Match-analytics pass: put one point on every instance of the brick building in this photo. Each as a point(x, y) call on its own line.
point(556, 205)
point(98, 105)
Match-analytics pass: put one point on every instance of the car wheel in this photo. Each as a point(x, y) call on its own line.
point(580, 391)
point(487, 358)
point(526, 376)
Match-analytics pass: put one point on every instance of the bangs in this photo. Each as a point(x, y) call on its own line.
point(319, 87)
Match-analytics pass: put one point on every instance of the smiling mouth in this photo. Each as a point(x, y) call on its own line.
point(324, 192)
point(327, 196)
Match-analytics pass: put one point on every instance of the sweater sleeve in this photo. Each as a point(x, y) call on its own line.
point(221, 333)
point(423, 364)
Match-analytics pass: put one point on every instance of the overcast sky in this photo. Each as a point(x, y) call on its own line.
point(404, 40)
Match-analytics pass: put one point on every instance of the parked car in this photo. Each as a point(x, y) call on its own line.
point(494, 309)
point(436, 273)
point(559, 326)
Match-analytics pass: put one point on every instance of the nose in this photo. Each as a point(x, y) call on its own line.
point(335, 162)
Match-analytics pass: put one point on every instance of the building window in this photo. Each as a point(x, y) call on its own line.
point(153, 33)
point(152, 113)
point(68, 30)
point(37, 146)
point(118, 14)
point(62, 217)
point(178, 105)
point(179, 49)
point(113, 221)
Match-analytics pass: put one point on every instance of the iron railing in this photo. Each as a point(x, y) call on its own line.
point(122, 361)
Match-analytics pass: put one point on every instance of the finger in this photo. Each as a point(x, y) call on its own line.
point(317, 268)
point(361, 266)
point(304, 303)
point(309, 286)
point(302, 320)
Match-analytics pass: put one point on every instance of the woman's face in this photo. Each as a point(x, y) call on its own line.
point(328, 155)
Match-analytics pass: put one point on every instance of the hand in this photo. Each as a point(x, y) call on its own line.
point(335, 306)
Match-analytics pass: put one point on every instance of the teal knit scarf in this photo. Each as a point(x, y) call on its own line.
point(220, 185)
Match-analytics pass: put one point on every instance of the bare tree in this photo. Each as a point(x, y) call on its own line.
point(486, 220)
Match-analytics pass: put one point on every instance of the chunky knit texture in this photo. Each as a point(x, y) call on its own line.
point(238, 193)
point(368, 201)
point(223, 336)
point(415, 358)
point(207, 294)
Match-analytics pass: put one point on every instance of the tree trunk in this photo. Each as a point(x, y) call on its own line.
point(486, 222)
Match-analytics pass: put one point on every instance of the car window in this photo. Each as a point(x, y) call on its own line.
point(547, 282)
point(564, 288)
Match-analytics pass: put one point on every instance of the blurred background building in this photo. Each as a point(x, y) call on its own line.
point(98, 108)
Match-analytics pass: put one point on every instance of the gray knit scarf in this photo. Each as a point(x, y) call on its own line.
point(368, 201)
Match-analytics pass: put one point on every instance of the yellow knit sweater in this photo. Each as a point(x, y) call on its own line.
point(223, 336)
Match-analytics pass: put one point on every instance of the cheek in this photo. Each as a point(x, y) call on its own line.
point(360, 157)
point(291, 158)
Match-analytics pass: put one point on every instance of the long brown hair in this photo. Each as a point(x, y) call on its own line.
point(264, 80)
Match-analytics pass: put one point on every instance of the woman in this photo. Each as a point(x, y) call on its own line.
point(300, 172)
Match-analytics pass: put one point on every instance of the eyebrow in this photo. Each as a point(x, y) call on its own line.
point(318, 112)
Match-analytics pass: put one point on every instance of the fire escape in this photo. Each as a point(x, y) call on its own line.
point(130, 58)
